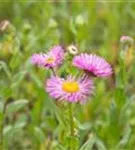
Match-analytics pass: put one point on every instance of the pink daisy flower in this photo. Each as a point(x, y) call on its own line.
point(93, 64)
point(70, 89)
point(52, 59)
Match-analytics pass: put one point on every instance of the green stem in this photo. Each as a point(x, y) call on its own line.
point(71, 120)
point(2, 127)
point(1, 136)
point(71, 125)
point(53, 72)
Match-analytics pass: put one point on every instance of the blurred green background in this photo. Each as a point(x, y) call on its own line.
point(30, 121)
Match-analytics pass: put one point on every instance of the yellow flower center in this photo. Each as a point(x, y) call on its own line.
point(50, 60)
point(70, 86)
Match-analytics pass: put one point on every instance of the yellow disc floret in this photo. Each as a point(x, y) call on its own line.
point(50, 60)
point(70, 86)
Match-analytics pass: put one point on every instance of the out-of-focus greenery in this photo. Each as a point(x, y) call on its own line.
point(107, 122)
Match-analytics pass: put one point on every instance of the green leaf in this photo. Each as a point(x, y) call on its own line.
point(1, 107)
point(20, 125)
point(6, 92)
point(10, 131)
point(125, 139)
point(60, 147)
point(36, 80)
point(7, 130)
point(17, 79)
point(15, 61)
point(60, 115)
point(39, 134)
point(88, 144)
point(85, 126)
point(4, 66)
point(100, 145)
point(1, 112)
point(16, 106)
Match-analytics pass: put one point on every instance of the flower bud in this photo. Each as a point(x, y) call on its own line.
point(72, 49)
point(127, 40)
point(126, 53)
point(4, 25)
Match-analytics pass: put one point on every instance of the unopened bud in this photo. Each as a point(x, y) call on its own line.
point(72, 50)
point(126, 52)
point(4, 25)
point(127, 40)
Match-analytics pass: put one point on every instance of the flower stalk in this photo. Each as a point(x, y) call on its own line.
point(71, 119)
point(53, 71)
point(1, 136)
point(122, 75)
point(2, 126)
point(126, 46)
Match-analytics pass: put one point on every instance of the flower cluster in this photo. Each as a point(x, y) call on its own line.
point(71, 88)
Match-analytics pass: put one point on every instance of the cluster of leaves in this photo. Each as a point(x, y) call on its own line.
point(29, 119)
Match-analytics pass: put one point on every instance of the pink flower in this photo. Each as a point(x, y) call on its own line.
point(70, 89)
point(52, 59)
point(93, 64)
